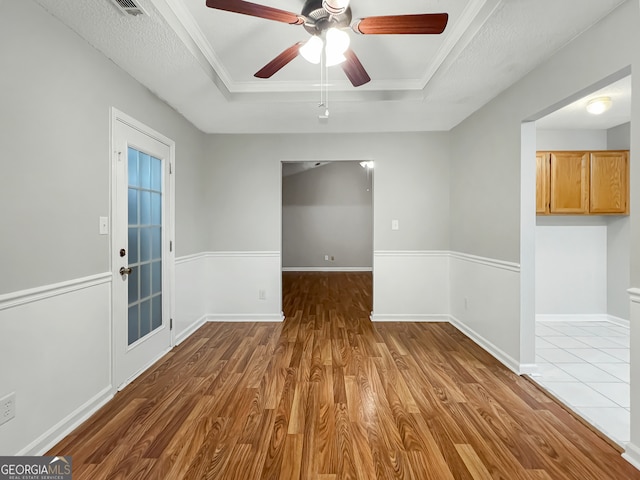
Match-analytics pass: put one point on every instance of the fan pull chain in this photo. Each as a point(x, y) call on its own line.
point(324, 86)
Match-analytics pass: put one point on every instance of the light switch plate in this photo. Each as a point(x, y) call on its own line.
point(104, 225)
point(395, 225)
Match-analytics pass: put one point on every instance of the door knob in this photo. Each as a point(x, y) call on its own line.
point(125, 271)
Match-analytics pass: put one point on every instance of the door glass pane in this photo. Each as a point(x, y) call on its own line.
point(145, 170)
point(145, 280)
point(134, 286)
point(156, 277)
point(133, 244)
point(156, 243)
point(145, 244)
point(145, 208)
point(133, 166)
point(133, 206)
point(156, 208)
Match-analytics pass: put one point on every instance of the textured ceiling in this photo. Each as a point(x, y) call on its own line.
point(201, 61)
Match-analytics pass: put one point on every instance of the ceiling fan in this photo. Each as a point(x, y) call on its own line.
point(326, 22)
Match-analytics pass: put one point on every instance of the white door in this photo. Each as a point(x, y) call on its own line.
point(141, 254)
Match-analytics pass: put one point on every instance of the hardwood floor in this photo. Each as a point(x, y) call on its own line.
point(327, 395)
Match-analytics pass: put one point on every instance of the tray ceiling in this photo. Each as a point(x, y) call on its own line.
point(201, 61)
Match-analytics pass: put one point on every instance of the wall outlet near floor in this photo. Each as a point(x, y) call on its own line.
point(262, 294)
point(7, 408)
point(326, 257)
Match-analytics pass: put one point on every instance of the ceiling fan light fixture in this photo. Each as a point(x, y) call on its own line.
point(311, 51)
point(599, 105)
point(337, 41)
point(335, 7)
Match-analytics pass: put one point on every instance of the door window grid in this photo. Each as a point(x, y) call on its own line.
point(145, 244)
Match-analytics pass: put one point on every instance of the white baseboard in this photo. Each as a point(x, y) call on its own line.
point(65, 426)
point(632, 455)
point(621, 322)
point(502, 357)
point(583, 317)
point(528, 369)
point(417, 317)
point(572, 317)
point(187, 332)
point(327, 269)
point(246, 317)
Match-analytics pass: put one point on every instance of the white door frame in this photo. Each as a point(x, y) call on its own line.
point(168, 246)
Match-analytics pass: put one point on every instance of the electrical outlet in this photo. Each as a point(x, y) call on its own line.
point(326, 257)
point(7, 408)
point(262, 295)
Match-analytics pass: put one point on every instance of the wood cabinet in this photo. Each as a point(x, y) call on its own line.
point(609, 182)
point(582, 183)
point(542, 182)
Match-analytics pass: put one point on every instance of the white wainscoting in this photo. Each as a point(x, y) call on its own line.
point(485, 305)
point(234, 281)
point(479, 296)
point(55, 348)
point(191, 307)
point(632, 449)
point(410, 286)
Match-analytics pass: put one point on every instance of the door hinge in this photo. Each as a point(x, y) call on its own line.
point(171, 324)
point(171, 245)
point(170, 168)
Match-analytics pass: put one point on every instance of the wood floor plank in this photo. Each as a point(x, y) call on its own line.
point(475, 466)
point(328, 395)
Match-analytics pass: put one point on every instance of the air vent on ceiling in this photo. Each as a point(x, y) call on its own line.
point(129, 7)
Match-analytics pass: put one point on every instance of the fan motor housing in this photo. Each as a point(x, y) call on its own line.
point(320, 20)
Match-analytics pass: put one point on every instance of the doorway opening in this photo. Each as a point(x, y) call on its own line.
point(327, 231)
point(582, 261)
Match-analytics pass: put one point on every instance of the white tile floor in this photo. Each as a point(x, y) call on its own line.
point(586, 365)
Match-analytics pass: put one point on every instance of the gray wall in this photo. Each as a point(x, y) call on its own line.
point(619, 138)
point(243, 182)
point(571, 139)
point(492, 170)
point(54, 131)
point(57, 92)
point(486, 146)
point(328, 211)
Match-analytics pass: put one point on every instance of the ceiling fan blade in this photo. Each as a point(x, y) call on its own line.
point(354, 70)
point(255, 10)
point(280, 61)
point(425, 23)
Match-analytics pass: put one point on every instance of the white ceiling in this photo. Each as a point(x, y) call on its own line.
point(201, 61)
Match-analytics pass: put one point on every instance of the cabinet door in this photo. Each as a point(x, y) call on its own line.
point(569, 182)
point(609, 182)
point(542, 182)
